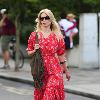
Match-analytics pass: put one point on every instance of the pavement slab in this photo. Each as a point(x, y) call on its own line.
point(83, 82)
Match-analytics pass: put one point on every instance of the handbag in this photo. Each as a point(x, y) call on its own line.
point(37, 67)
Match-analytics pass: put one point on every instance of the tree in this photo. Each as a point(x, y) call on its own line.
point(17, 9)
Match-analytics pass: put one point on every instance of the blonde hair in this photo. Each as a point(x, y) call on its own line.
point(71, 15)
point(54, 25)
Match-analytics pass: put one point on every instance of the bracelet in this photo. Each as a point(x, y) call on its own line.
point(62, 62)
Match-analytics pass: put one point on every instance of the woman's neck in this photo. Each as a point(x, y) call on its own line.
point(46, 30)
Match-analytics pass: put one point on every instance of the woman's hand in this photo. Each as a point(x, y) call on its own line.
point(68, 76)
point(32, 51)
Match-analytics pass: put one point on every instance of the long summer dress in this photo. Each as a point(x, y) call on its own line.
point(53, 86)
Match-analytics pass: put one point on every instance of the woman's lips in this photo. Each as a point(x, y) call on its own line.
point(44, 23)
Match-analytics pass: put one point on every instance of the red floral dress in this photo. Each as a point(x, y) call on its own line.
point(53, 86)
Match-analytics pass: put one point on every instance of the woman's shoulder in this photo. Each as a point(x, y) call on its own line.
point(32, 35)
point(58, 36)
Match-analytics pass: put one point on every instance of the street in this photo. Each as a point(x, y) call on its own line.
point(10, 90)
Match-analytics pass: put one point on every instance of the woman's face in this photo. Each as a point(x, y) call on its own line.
point(45, 20)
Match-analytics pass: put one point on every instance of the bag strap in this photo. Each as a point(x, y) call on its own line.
point(37, 41)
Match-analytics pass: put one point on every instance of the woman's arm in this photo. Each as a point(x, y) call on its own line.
point(31, 52)
point(63, 62)
point(32, 46)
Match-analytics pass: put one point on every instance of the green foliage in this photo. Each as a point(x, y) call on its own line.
point(25, 32)
point(26, 10)
point(92, 5)
point(91, 1)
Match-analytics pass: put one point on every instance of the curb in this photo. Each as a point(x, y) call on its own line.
point(86, 94)
point(25, 81)
point(68, 90)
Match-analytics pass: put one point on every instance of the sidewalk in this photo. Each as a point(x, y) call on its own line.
point(83, 82)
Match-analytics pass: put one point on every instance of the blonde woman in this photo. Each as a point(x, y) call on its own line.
point(52, 46)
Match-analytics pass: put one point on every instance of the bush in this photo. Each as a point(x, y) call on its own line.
point(25, 32)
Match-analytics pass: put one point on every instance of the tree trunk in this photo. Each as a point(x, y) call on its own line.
point(17, 23)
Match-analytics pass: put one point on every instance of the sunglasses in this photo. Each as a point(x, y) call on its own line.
point(46, 18)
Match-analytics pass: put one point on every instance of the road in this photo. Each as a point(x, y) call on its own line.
point(10, 90)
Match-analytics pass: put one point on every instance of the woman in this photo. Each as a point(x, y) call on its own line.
point(52, 48)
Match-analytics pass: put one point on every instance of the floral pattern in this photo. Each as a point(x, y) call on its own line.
point(53, 86)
